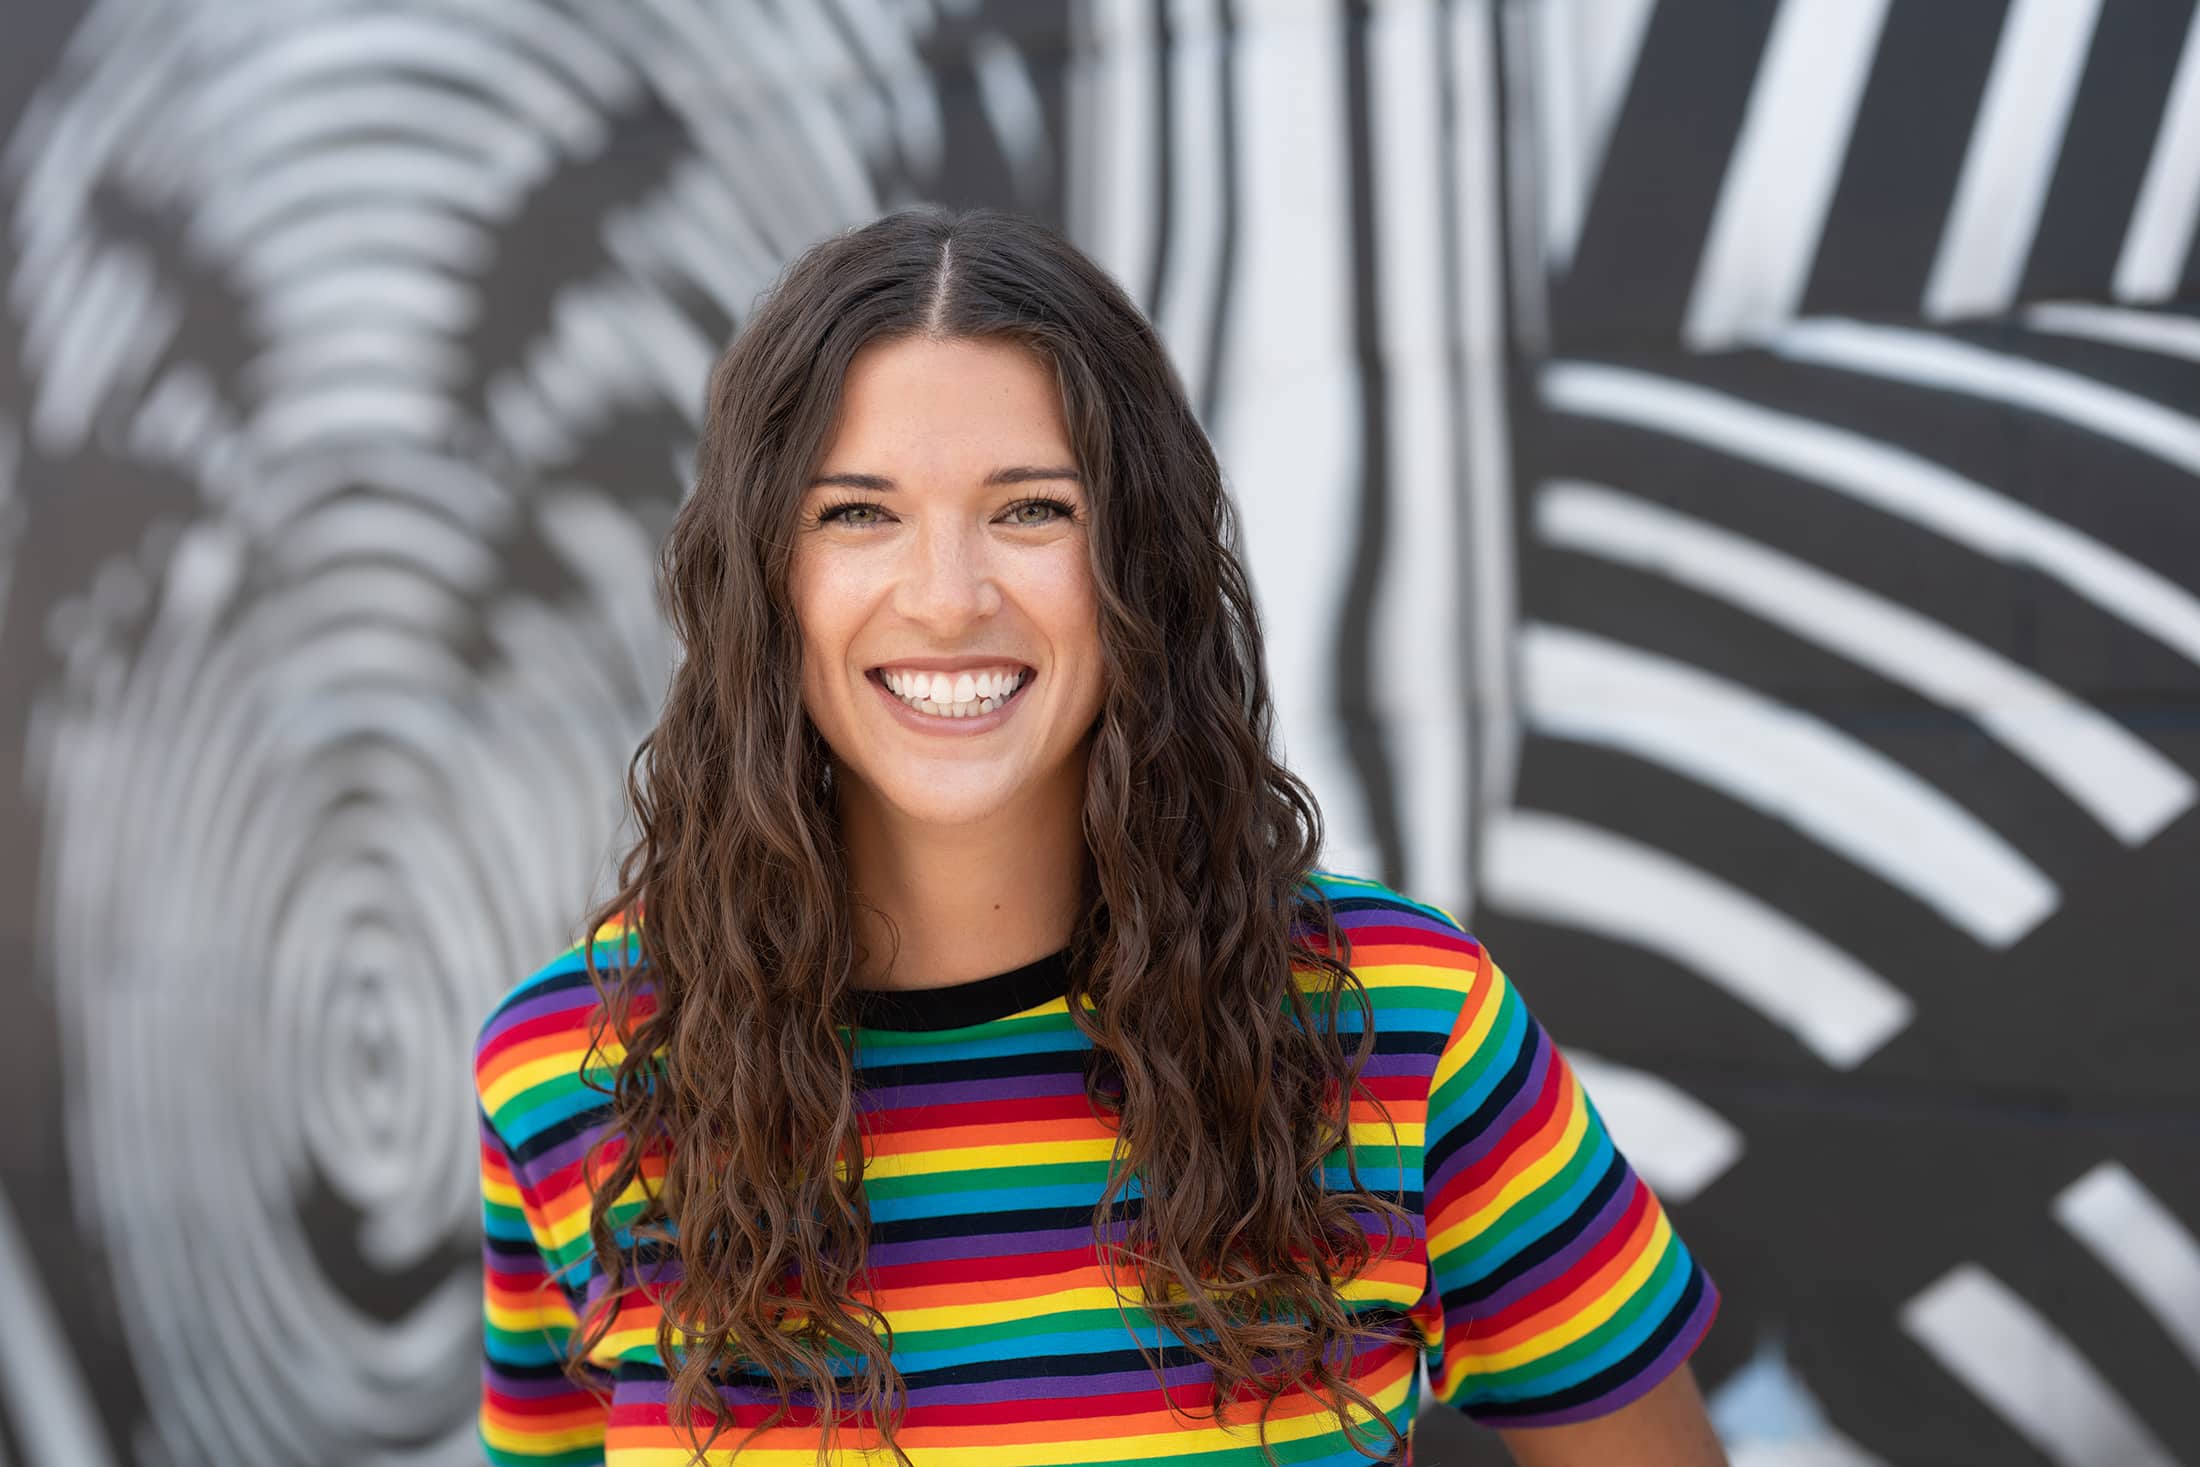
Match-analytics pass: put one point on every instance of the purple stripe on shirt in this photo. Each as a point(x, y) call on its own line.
point(987, 1245)
point(564, 1000)
point(1353, 921)
point(1639, 1384)
point(1500, 1130)
point(1608, 1216)
point(566, 1152)
point(960, 1092)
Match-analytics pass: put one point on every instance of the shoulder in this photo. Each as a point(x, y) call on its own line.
point(1386, 925)
point(531, 1056)
point(1406, 951)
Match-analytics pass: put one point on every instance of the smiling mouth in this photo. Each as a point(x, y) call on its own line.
point(986, 694)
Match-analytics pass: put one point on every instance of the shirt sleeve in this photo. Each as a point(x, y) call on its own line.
point(1558, 1288)
point(530, 1412)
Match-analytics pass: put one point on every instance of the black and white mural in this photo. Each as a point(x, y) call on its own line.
point(1722, 476)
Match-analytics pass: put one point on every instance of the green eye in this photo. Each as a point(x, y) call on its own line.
point(1060, 510)
point(838, 513)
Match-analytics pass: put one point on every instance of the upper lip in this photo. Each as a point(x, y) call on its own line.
point(948, 664)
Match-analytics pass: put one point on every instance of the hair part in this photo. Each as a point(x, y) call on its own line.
point(1227, 1078)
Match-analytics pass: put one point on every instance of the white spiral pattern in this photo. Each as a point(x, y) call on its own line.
point(338, 746)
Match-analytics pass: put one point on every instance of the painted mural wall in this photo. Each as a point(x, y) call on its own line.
point(1722, 478)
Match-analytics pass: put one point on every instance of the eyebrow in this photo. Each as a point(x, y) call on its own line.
point(1020, 474)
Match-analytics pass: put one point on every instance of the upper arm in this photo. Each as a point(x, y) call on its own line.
point(1666, 1427)
point(1559, 1291)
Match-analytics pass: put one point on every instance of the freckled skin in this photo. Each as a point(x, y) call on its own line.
point(972, 845)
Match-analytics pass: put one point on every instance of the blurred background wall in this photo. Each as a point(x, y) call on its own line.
point(1721, 479)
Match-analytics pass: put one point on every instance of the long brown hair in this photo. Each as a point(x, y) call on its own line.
point(1227, 1078)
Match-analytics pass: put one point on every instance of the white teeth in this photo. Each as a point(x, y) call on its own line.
point(960, 695)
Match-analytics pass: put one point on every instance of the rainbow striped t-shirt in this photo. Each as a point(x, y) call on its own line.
point(1542, 1282)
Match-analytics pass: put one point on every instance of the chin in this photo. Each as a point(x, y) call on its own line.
point(931, 805)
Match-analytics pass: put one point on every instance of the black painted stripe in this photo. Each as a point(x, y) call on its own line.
point(1906, 150)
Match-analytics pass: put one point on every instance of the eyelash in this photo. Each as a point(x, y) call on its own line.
point(831, 513)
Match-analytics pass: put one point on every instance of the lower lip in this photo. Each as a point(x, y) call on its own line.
point(940, 723)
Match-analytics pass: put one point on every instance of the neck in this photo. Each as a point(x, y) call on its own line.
point(964, 901)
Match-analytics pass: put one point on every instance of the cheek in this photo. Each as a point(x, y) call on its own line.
point(1063, 599)
point(828, 595)
point(821, 618)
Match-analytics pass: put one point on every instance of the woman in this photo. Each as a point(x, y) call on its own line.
point(972, 1062)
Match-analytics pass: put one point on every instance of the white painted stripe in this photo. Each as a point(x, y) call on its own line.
point(1928, 360)
point(56, 153)
point(1585, 53)
point(891, 40)
point(361, 294)
point(1556, 142)
point(2159, 239)
point(1191, 275)
point(1823, 1451)
point(1290, 359)
point(1118, 89)
point(694, 230)
point(2143, 1243)
point(1010, 102)
point(341, 110)
point(49, 1407)
point(352, 529)
point(667, 350)
point(353, 407)
point(383, 44)
point(577, 51)
point(1787, 159)
point(1889, 479)
point(1487, 554)
point(2014, 144)
point(1564, 871)
point(104, 341)
point(179, 420)
point(46, 295)
point(2164, 332)
point(2013, 1359)
point(2118, 778)
point(1791, 765)
point(12, 517)
point(1422, 700)
point(239, 209)
point(324, 238)
point(603, 542)
point(1674, 1141)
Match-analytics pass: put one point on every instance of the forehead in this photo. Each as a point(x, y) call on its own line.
point(921, 407)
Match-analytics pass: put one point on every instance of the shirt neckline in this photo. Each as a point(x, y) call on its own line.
point(959, 1005)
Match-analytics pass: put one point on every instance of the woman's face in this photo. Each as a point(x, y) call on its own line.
point(941, 555)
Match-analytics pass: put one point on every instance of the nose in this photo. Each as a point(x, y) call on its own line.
point(947, 578)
